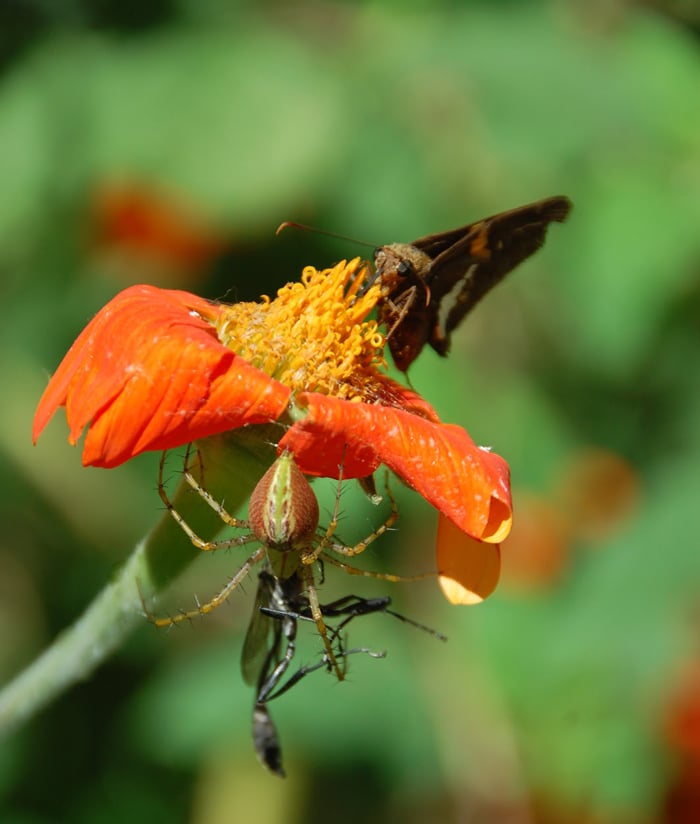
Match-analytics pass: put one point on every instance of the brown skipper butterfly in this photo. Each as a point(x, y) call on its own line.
point(430, 285)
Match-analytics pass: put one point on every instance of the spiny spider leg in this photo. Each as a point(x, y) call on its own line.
point(361, 546)
point(382, 576)
point(317, 615)
point(200, 543)
point(216, 601)
point(208, 498)
point(313, 554)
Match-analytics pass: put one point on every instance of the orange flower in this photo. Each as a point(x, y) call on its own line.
point(152, 225)
point(159, 368)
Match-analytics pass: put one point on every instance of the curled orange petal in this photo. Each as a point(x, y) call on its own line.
point(468, 570)
point(468, 484)
point(148, 372)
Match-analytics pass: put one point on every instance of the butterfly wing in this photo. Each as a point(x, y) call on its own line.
point(491, 248)
point(433, 283)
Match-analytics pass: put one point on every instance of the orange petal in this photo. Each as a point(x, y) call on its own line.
point(468, 569)
point(320, 451)
point(148, 372)
point(468, 484)
point(387, 392)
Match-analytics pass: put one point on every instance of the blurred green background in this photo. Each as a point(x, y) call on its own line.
point(163, 142)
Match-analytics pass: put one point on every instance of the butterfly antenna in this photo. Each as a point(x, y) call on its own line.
point(290, 224)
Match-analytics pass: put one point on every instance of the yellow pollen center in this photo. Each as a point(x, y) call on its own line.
point(313, 336)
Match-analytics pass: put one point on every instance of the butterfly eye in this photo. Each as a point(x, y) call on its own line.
point(404, 269)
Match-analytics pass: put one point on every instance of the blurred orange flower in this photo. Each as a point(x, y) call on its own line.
point(159, 368)
point(152, 225)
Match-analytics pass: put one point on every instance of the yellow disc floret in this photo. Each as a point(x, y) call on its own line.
point(313, 336)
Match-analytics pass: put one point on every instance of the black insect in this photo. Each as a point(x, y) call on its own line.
point(270, 646)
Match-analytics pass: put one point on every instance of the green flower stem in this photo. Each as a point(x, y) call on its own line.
point(155, 562)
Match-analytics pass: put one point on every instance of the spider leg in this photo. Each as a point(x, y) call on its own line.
point(208, 498)
point(317, 615)
point(362, 545)
point(382, 576)
point(216, 601)
point(311, 555)
point(200, 543)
